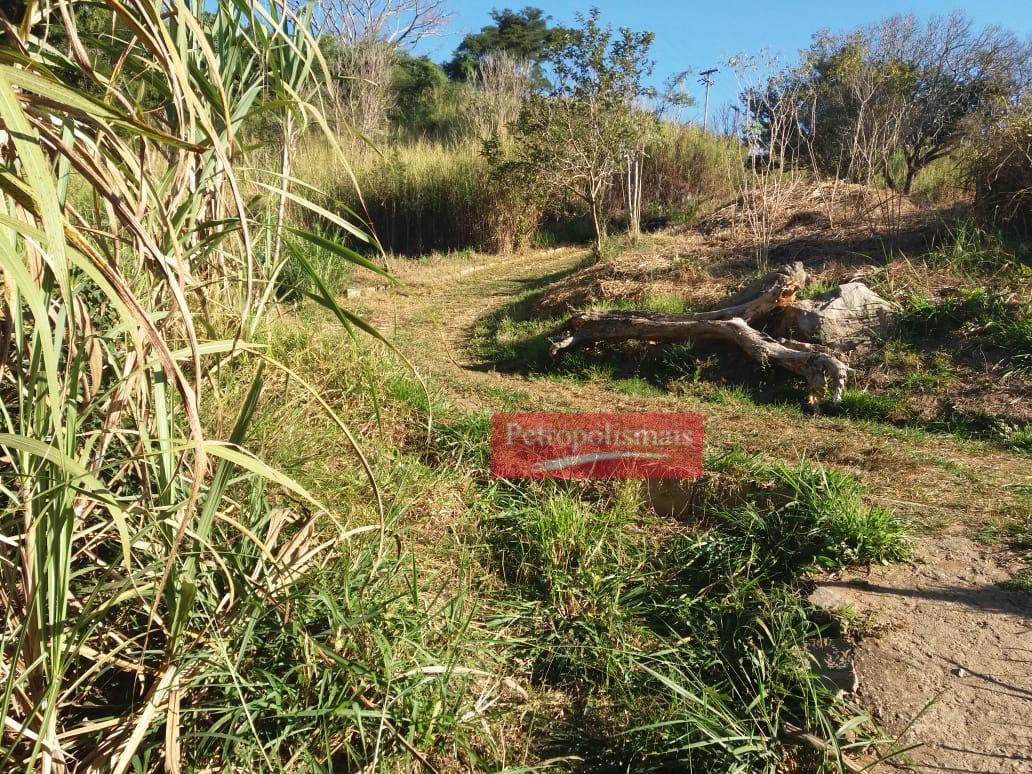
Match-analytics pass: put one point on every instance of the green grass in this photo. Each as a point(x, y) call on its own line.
point(679, 647)
point(731, 396)
point(635, 385)
point(869, 406)
point(974, 251)
point(934, 373)
point(981, 317)
point(815, 289)
point(650, 302)
point(1017, 536)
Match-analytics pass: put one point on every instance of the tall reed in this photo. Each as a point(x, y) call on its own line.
point(136, 545)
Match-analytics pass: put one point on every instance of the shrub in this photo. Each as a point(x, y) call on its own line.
point(1001, 170)
point(686, 165)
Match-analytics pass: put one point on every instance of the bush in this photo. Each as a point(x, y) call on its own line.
point(1001, 171)
point(686, 165)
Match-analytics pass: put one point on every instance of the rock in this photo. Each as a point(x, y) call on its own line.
point(674, 498)
point(835, 665)
point(848, 317)
point(830, 599)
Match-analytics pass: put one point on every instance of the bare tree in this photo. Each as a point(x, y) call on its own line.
point(893, 97)
point(363, 74)
point(402, 22)
point(501, 84)
point(367, 35)
point(766, 179)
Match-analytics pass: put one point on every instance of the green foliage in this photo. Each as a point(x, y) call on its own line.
point(869, 406)
point(424, 103)
point(573, 140)
point(525, 35)
point(684, 166)
point(896, 93)
point(972, 250)
point(979, 315)
point(682, 649)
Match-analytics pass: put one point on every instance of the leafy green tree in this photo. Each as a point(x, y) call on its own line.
point(524, 35)
point(417, 85)
point(574, 139)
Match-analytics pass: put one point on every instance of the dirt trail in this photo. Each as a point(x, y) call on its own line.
point(946, 633)
point(941, 625)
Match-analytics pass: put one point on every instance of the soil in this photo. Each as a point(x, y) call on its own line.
point(949, 664)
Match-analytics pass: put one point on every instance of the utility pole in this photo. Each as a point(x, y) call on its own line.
point(707, 81)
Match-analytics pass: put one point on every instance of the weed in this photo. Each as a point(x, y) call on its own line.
point(818, 288)
point(649, 302)
point(1019, 439)
point(684, 648)
point(934, 375)
point(730, 396)
point(872, 407)
point(972, 250)
point(980, 315)
point(635, 386)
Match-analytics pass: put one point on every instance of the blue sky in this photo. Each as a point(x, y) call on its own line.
point(697, 35)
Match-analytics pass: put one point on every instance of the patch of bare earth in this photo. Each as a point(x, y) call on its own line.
point(949, 664)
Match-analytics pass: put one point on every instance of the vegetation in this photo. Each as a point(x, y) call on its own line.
point(523, 35)
point(683, 652)
point(239, 529)
point(574, 139)
point(897, 94)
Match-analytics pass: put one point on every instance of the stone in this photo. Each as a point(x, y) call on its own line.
point(830, 599)
point(846, 318)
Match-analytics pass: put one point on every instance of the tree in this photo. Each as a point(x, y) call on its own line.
point(889, 99)
point(416, 85)
point(575, 138)
point(363, 40)
point(525, 36)
point(401, 22)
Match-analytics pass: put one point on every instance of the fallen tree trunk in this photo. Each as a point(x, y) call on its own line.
point(824, 372)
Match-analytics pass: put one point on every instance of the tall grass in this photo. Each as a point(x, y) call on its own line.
point(422, 196)
point(686, 167)
point(419, 197)
point(999, 165)
point(169, 598)
point(683, 649)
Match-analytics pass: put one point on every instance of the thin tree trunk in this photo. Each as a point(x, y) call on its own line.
point(596, 222)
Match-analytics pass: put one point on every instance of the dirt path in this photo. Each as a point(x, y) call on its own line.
point(947, 634)
point(941, 626)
